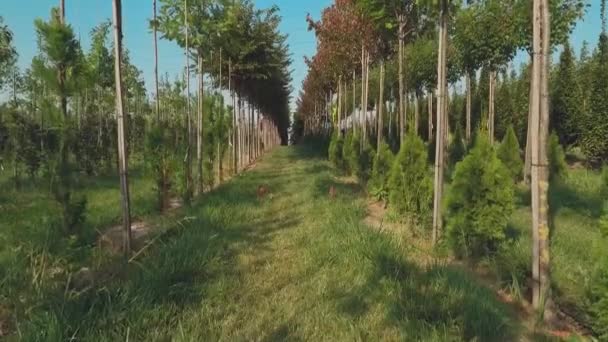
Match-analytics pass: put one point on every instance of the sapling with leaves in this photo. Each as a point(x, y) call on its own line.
point(59, 67)
point(410, 184)
point(383, 161)
point(479, 202)
point(508, 152)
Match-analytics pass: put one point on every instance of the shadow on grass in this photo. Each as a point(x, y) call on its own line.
point(309, 150)
point(564, 195)
point(435, 303)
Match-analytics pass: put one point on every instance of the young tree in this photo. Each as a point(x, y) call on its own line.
point(567, 99)
point(480, 202)
point(594, 142)
point(508, 152)
point(383, 162)
point(59, 65)
point(410, 185)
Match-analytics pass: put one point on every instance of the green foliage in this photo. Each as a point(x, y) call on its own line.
point(352, 152)
point(410, 183)
point(600, 298)
point(8, 54)
point(605, 181)
point(479, 202)
point(604, 219)
point(90, 151)
point(457, 149)
point(383, 162)
point(26, 141)
point(567, 100)
point(62, 53)
point(161, 161)
point(594, 142)
point(347, 151)
point(604, 197)
point(509, 154)
point(557, 157)
point(335, 150)
point(365, 163)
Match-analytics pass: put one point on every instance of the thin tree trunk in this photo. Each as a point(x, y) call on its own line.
point(539, 161)
point(62, 11)
point(361, 122)
point(492, 93)
point(468, 109)
point(441, 98)
point(339, 118)
point(364, 138)
point(251, 157)
point(353, 115)
point(528, 152)
point(429, 98)
point(122, 150)
point(199, 125)
point(380, 107)
point(235, 126)
point(416, 113)
point(157, 105)
point(403, 119)
point(401, 53)
point(188, 115)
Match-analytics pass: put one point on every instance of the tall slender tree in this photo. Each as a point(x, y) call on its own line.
point(155, 29)
point(441, 113)
point(539, 117)
point(120, 120)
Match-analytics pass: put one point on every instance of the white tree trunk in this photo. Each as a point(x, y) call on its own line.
point(120, 120)
point(441, 108)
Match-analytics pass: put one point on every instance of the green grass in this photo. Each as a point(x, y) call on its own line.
point(295, 265)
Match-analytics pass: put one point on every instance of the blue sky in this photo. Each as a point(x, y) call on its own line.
point(85, 14)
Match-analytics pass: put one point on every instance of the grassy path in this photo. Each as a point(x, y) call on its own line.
point(295, 265)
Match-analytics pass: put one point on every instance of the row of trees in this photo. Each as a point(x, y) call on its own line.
point(76, 112)
point(381, 66)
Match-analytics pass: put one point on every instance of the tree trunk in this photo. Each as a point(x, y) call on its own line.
point(199, 125)
point(441, 98)
point(416, 113)
point(235, 126)
point(429, 98)
point(381, 107)
point(157, 105)
point(361, 122)
point(188, 194)
point(339, 113)
point(353, 115)
point(528, 152)
point(539, 160)
point(365, 124)
point(122, 150)
point(468, 109)
point(251, 157)
point(62, 11)
point(401, 53)
point(492, 93)
point(239, 133)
